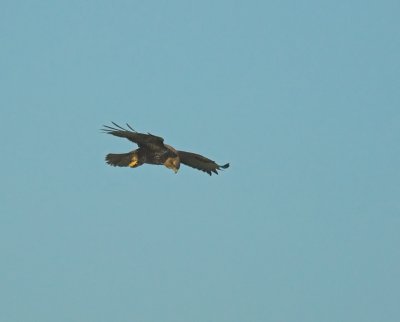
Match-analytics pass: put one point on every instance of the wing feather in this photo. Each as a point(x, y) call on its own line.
point(200, 162)
point(141, 139)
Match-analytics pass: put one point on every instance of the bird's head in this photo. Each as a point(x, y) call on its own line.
point(173, 163)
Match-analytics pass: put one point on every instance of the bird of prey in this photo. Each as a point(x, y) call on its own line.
point(152, 150)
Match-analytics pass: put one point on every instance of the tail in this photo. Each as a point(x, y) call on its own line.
point(120, 160)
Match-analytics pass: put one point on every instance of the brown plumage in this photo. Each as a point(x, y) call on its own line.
point(152, 150)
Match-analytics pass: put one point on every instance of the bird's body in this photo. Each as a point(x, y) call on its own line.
point(152, 150)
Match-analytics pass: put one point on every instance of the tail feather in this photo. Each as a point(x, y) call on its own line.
point(119, 160)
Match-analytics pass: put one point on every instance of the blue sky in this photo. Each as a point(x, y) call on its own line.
point(302, 98)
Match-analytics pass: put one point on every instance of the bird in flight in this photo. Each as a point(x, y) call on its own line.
point(152, 150)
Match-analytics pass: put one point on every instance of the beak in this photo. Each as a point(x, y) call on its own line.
point(175, 170)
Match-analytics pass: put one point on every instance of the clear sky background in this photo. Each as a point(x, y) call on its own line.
point(301, 97)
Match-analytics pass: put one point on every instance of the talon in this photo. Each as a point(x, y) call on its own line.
point(133, 164)
point(134, 161)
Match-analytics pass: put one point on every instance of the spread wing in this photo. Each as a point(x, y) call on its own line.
point(142, 140)
point(199, 162)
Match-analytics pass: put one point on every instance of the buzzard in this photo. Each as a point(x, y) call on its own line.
point(152, 150)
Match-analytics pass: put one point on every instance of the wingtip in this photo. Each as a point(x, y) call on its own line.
point(130, 127)
point(110, 129)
